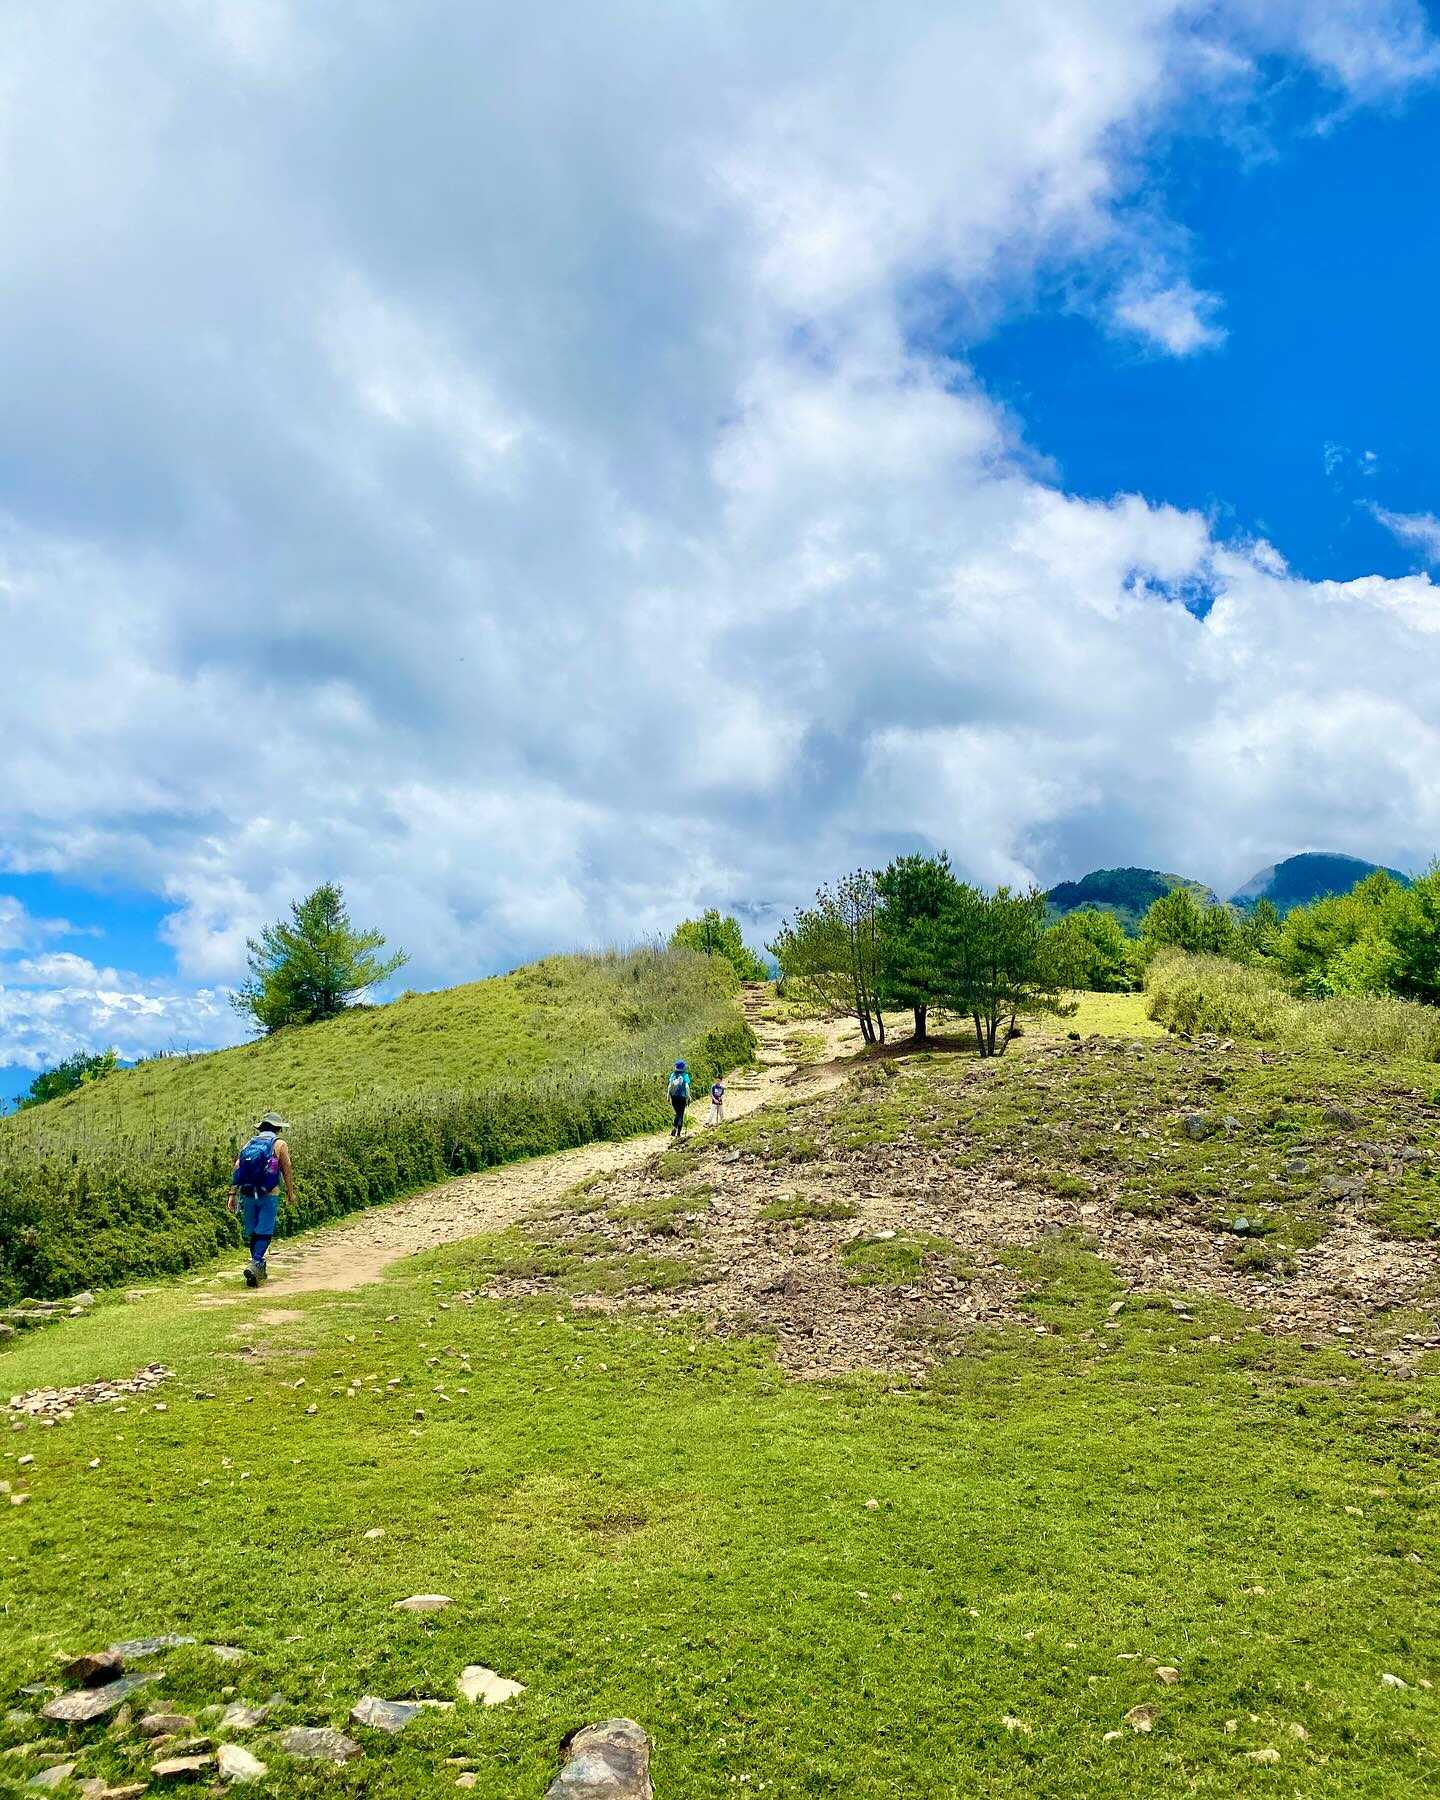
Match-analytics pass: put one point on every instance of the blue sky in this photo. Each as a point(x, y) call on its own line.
point(551, 505)
point(1326, 251)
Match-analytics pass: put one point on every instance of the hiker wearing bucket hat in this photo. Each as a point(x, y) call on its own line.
point(679, 1095)
point(262, 1172)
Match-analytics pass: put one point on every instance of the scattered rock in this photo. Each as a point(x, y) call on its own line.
point(43, 1403)
point(1197, 1127)
point(53, 1777)
point(165, 1724)
point(1391, 1681)
point(318, 1743)
point(239, 1717)
point(1335, 1114)
point(424, 1603)
point(181, 1768)
point(237, 1764)
point(384, 1715)
point(609, 1761)
point(133, 1649)
point(93, 1703)
point(19, 1718)
point(1268, 1755)
point(467, 1780)
point(1241, 1227)
point(1142, 1718)
point(95, 1668)
point(1011, 1723)
point(375, 1531)
point(1167, 1676)
point(480, 1683)
point(227, 1653)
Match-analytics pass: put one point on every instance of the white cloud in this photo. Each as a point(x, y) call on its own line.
point(21, 930)
point(55, 1004)
point(1421, 530)
point(1175, 318)
point(503, 469)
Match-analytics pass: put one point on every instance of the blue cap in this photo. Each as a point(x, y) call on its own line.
point(680, 1064)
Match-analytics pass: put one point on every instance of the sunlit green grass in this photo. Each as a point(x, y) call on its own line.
point(645, 1521)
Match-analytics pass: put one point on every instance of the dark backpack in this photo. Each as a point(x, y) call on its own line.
point(258, 1167)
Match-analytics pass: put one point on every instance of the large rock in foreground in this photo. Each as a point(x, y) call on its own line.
point(610, 1761)
point(86, 1704)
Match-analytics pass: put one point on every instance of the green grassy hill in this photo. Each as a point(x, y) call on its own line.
point(564, 1013)
point(127, 1177)
point(1080, 1492)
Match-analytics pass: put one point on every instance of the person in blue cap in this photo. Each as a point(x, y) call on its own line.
point(679, 1095)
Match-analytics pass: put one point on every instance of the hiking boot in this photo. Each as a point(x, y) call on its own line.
point(252, 1274)
point(262, 1272)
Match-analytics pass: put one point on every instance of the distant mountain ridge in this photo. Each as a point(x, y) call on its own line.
point(1312, 875)
point(1125, 892)
point(1296, 881)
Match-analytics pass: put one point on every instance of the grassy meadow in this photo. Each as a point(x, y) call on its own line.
point(1115, 1543)
point(837, 1588)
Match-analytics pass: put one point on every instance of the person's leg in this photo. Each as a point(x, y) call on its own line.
point(259, 1244)
point(679, 1106)
point(247, 1226)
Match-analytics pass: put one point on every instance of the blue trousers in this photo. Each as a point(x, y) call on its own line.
point(257, 1221)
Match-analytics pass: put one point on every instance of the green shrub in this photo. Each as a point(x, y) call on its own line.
point(1207, 993)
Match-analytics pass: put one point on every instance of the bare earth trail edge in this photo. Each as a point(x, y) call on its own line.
point(339, 1258)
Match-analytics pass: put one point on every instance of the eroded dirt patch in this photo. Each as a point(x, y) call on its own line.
point(878, 1224)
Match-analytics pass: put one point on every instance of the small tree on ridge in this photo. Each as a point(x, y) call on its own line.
point(313, 965)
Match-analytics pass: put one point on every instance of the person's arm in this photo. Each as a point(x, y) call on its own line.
point(287, 1174)
point(233, 1203)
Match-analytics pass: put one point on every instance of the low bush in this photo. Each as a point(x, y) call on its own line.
point(1208, 993)
point(116, 1207)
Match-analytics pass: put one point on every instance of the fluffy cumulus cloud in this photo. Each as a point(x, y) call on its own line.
point(499, 458)
point(58, 1002)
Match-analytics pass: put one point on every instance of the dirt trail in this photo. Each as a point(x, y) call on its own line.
point(339, 1257)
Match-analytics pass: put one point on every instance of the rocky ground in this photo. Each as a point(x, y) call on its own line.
point(877, 1226)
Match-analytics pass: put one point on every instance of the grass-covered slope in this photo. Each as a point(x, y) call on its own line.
point(1118, 1541)
point(1127, 893)
point(128, 1177)
point(564, 1012)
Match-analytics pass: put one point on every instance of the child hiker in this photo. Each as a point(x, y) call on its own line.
point(717, 1102)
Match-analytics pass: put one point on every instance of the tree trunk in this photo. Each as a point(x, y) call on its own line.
point(921, 1014)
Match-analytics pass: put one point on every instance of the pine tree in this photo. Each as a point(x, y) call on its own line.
point(313, 965)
